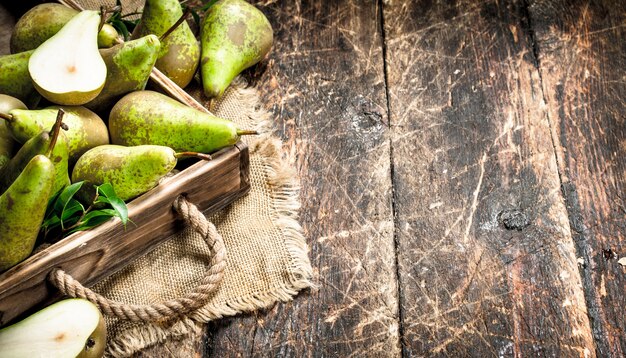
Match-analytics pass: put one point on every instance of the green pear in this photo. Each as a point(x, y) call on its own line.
point(234, 35)
point(108, 36)
point(85, 128)
point(22, 209)
point(128, 69)
point(69, 328)
point(148, 117)
point(49, 143)
point(67, 68)
point(180, 51)
point(7, 143)
point(131, 171)
point(43, 21)
point(14, 78)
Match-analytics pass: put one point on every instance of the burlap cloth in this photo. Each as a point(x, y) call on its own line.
point(266, 257)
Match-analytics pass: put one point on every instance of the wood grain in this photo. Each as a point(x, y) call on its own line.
point(486, 259)
point(193, 346)
point(92, 255)
point(324, 83)
point(582, 56)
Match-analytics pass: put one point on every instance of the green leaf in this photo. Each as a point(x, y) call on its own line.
point(130, 24)
point(195, 16)
point(51, 222)
point(99, 213)
point(65, 196)
point(57, 205)
point(120, 26)
point(68, 216)
point(94, 218)
point(52, 201)
point(107, 191)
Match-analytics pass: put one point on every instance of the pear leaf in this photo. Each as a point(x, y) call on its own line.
point(94, 218)
point(66, 215)
point(51, 221)
point(64, 198)
point(106, 195)
point(123, 26)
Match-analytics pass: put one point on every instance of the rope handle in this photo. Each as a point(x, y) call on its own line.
point(164, 311)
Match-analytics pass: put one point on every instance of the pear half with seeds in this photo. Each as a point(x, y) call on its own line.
point(69, 328)
point(68, 69)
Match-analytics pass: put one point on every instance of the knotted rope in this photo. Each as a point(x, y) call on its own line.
point(164, 311)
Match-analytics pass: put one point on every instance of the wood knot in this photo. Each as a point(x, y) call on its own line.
point(513, 219)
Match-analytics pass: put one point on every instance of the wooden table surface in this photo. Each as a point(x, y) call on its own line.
point(462, 169)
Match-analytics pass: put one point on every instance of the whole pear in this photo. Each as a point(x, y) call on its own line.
point(148, 117)
point(108, 36)
point(43, 21)
point(234, 36)
point(22, 209)
point(180, 51)
point(67, 68)
point(85, 128)
point(14, 78)
point(131, 171)
point(129, 65)
point(69, 328)
point(52, 144)
point(7, 143)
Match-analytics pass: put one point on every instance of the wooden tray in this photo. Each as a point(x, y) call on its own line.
point(90, 256)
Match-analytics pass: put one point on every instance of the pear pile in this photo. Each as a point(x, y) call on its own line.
point(74, 105)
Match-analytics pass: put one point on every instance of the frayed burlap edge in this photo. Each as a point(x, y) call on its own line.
point(285, 189)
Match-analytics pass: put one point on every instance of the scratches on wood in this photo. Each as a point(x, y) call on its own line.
point(472, 208)
point(463, 83)
point(583, 70)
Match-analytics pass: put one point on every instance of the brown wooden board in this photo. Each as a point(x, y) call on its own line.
point(324, 84)
point(486, 259)
point(582, 56)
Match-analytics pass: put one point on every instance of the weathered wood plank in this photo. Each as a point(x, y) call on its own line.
point(582, 47)
point(193, 346)
point(486, 259)
point(324, 82)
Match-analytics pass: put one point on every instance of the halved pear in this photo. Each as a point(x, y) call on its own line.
point(68, 69)
point(69, 328)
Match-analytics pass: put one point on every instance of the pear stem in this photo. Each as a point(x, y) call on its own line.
point(202, 156)
point(54, 132)
point(103, 12)
point(176, 24)
point(246, 132)
point(6, 117)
